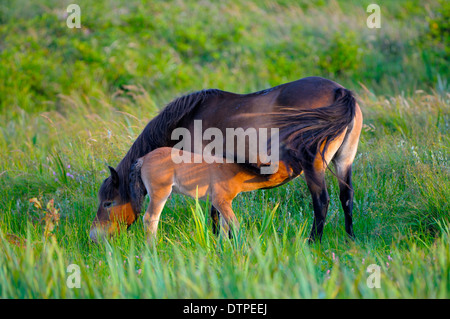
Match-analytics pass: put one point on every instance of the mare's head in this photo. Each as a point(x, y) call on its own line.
point(114, 208)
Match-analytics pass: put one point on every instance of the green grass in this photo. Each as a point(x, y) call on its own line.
point(80, 98)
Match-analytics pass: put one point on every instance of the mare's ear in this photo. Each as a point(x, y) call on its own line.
point(114, 176)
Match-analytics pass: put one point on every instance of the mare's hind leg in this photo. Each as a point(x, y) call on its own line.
point(151, 217)
point(215, 220)
point(346, 197)
point(317, 187)
point(343, 163)
point(315, 178)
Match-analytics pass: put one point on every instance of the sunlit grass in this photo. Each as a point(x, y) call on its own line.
point(264, 265)
point(400, 214)
point(73, 103)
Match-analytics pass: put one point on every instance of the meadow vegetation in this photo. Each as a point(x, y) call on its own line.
point(72, 101)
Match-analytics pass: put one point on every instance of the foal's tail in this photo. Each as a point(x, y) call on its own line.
point(303, 132)
point(137, 188)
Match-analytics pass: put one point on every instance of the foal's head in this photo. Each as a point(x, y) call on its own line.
point(113, 210)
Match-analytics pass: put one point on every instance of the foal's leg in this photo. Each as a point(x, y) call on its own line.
point(151, 217)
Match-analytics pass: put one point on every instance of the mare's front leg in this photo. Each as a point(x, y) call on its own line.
point(151, 217)
point(215, 220)
point(227, 219)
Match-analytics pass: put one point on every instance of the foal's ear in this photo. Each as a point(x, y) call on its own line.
point(114, 176)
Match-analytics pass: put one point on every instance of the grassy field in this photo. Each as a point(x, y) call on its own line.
point(72, 101)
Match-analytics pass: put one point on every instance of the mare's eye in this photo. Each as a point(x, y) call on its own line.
point(107, 204)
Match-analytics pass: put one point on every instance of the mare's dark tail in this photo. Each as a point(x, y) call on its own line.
point(303, 132)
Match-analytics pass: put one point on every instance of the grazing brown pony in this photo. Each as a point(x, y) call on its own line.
point(318, 120)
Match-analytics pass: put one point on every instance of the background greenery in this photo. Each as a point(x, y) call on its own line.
point(73, 100)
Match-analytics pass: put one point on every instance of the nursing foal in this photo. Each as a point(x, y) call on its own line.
point(203, 176)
